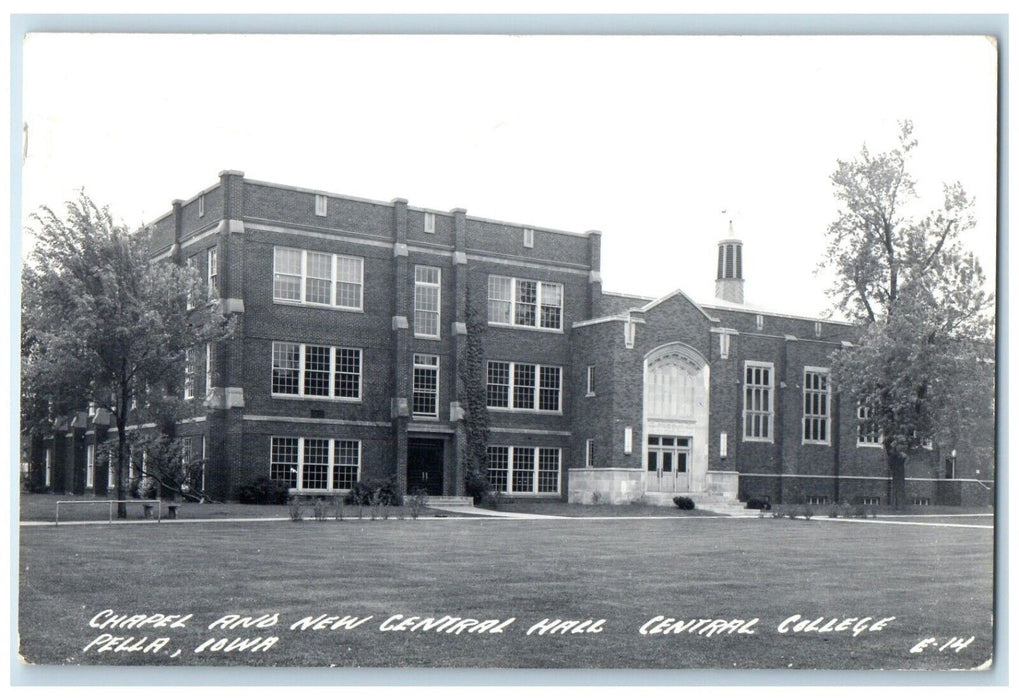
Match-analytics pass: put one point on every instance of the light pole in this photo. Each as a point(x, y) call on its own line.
point(952, 474)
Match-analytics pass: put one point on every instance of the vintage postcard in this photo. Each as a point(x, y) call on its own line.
point(449, 351)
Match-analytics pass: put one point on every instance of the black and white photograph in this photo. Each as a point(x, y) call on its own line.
point(362, 349)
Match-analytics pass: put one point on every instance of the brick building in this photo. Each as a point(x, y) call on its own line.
point(351, 325)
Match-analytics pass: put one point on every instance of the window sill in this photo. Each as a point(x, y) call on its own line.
point(753, 439)
point(525, 411)
point(312, 305)
point(819, 443)
point(514, 326)
point(328, 399)
point(869, 444)
point(427, 337)
point(590, 395)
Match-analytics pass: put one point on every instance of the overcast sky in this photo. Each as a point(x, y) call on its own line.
point(647, 139)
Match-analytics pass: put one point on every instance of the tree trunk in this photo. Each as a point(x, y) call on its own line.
point(897, 471)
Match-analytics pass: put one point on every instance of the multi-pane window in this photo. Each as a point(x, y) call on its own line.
point(867, 428)
point(323, 279)
point(427, 284)
point(498, 467)
point(213, 270)
point(522, 470)
point(589, 453)
point(758, 411)
point(816, 409)
point(321, 205)
point(498, 389)
point(315, 463)
point(525, 302)
point(524, 386)
point(316, 371)
point(426, 386)
point(190, 370)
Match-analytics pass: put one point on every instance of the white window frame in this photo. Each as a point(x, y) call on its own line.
point(109, 472)
point(212, 286)
point(534, 407)
point(298, 478)
point(817, 421)
point(48, 466)
point(769, 412)
point(189, 374)
point(817, 329)
point(723, 345)
point(759, 322)
point(334, 353)
point(333, 281)
point(429, 222)
point(426, 364)
point(534, 470)
point(90, 465)
point(589, 453)
point(420, 285)
point(590, 381)
point(208, 370)
point(201, 205)
point(528, 237)
point(321, 205)
point(867, 433)
point(539, 303)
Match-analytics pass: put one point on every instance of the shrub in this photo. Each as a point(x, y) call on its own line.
point(296, 511)
point(477, 486)
point(263, 491)
point(808, 513)
point(338, 503)
point(418, 502)
point(683, 502)
point(319, 509)
point(385, 491)
point(759, 503)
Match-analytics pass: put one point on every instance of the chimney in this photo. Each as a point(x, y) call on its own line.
point(729, 283)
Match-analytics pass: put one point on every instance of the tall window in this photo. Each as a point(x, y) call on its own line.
point(317, 371)
point(213, 268)
point(208, 370)
point(758, 409)
point(321, 279)
point(315, 463)
point(426, 386)
point(522, 470)
point(528, 237)
point(427, 286)
point(816, 408)
point(590, 380)
point(48, 472)
point(90, 466)
point(589, 453)
point(201, 205)
point(321, 205)
point(526, 303)
point(524, 386)
point(429, 222)
point(190, 370)
point(868, 433)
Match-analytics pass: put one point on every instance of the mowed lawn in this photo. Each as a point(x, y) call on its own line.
point(936, 583)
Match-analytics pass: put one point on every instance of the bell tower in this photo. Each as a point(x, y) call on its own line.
point(729, 282)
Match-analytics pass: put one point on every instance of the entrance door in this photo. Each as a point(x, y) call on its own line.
point(424, 466)
point(668, 464)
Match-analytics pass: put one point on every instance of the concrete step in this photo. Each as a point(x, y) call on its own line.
point(439, 501)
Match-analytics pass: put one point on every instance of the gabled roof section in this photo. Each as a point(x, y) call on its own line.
point(680, 293)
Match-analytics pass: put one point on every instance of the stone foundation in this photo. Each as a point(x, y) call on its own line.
point(609, 486)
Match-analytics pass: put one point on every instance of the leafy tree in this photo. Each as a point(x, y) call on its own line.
point(104, 324)
point(927, 330)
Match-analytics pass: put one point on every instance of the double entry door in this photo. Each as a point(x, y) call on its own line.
point(668, 463)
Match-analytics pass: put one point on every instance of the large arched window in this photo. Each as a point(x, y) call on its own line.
point(673, 375)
